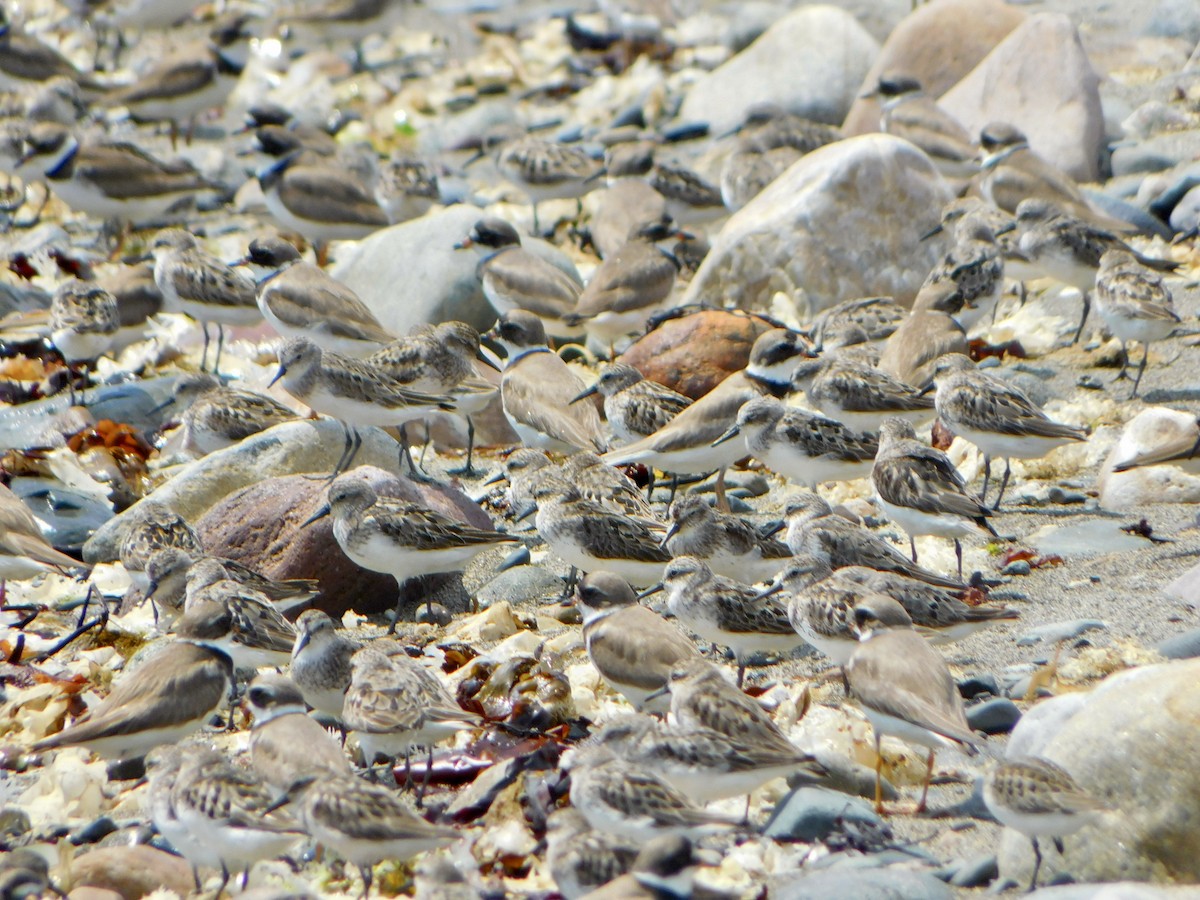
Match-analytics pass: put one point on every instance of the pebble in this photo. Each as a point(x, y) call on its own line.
point(1181, 646)
point(861, 884)
point(1017, 567)
point(518, 585)
point(999, 715)
point(1060, 631)
point(978, 685)
point(434, 614)
point(813, 813)
point(979, 871)
point(94, 831)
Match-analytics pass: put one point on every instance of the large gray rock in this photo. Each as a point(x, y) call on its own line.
point(891, 883)
point(810, 62)
point(410, 274)
point(937, 44)
point(845, 221)
point(303, 446)
point(1128, 746)
point(1040, 79)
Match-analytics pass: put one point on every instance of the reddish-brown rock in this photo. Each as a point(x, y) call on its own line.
point(131, 872)
point(695, 353)
point(260, 526)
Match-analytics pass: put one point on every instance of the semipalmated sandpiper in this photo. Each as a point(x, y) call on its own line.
point(321, 665)
point(1136, 305)
point(728, 544)
point(633, 405)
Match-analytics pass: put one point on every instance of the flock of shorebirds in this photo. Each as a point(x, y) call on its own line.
point(845, 398)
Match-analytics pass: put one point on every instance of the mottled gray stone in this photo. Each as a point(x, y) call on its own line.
point(861, 884)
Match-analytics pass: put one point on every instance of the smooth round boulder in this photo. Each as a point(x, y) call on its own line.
point(845, 221)
point(1152, 428)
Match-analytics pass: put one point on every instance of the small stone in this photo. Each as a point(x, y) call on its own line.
point(126, 769)
point(812, 814)
point(978, 871)
point(1090, 383)
point(94, 831)
point(999, 715)
point(978, 685)
point(1181, 646)
point(1060, 631)
point(860, 883)
point(94, 893)
point(1017, 567)
point(434, 614)
point(519, 585)
point(133, 872)
point(14, 821)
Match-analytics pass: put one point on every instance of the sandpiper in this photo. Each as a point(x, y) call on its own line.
point(402, 539)
point(286, 744)
point(542, 170)
point(83, 324)
point(815, 530)
point(1135, 304)
point(802, 447)
point(877, 317)
point(746, 173)
point(904, 687)
point(406, 188)
point(515, 278)
point(628, 287)
point(168, 569)
point(629, 802)
point(703, 764)
point(633, 648)
point(908, 112)
point(611, 488)
point(321, 662)
point(591, 537)
point(153, 527)
point(300, 299)
point(684, 446)
point(582, 859)
point(665, 868)
point(320, 201)
point(201, 286)
point(975, 265)
point(24, 551)
point(395, 704)
point(350, 390)
point(859, 396)
point(537, 388)
point(169, 696)
point(1039, 799)
point(690, 198)
point(727, 544)
point(768, 126)
point(216, 416)
point(727, 612)
point(995, 416)
point(921, 491)
point(633, 405)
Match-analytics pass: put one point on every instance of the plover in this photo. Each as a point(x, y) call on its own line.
point(620, 799)
point(153, 527)
point(727, 612)
point(909, 113)
point(582, 859)
point(286, 744)
point(932, 329)
point(401, 539)
point(684, 446)
point(813, 529)
point(201, 286)
point(108, 180)
point(218, 815)
point(406, 188)
point(633, 405)
point(321, 201)
point(1136, 305)
point(83, 324)
point(24, 551)
point(921, 491)
point(627, 288)
point(366, 823)
point(858, 395)
point(537, 388)
point(802, 447)
point(633, 648)
point(1039, 799)
point(702, 764)
point(1180, 447)
point(168, 697)
point(996, 417)
point(727, 544)
point(350, 390)
point(394, 704)
point(321, 662)
point(300, 299)
point(27, 61)
point(216, 416)
point(591, 537)
point(904, 687)
point(540, 169)
point(514, 278)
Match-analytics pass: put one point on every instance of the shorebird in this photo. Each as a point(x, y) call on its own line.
point(727, 612)
point(166, 698)
point(515, 278)
point(398, 538)
point(802, 447)
point(909, 113)
point(876, 317)
point(406, 188)
point(24, 551)
point(201, 286)
point(321, 666)
point(286, 744)
point(728, 544)
point(1136, 305)
point(904, 687)
point(300, 299)
point(975, 265)
point(633, 405)
point(216, 416)
point(932, 329)
point(582, 859)
point(153, 527)
point(633, 648)
point(537, 388)
point(996, 417)
point(84, 320)
point(922, 492)
point(665, 868)
point(1039, 799)
point(859, 396)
